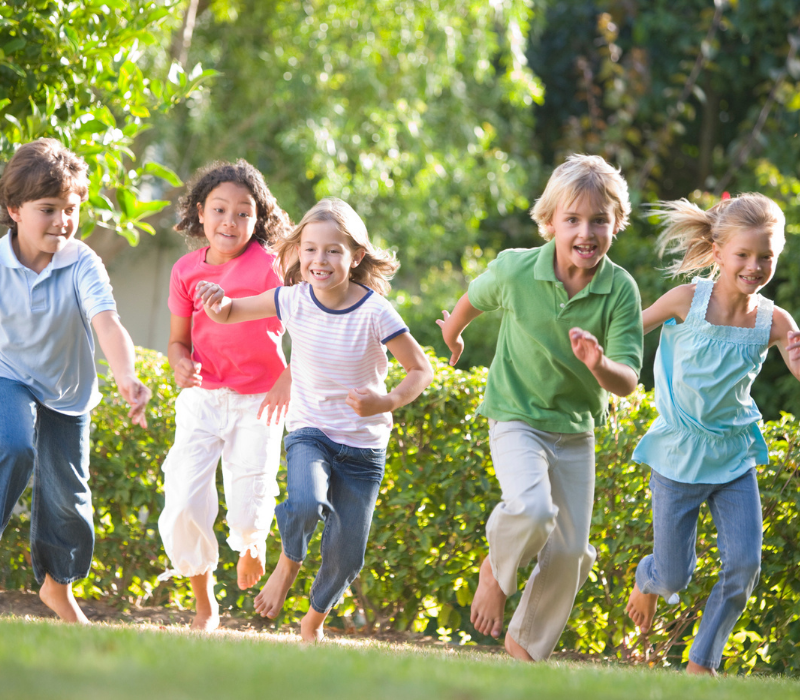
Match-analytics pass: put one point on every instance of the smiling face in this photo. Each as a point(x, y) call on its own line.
point(326, 258)
point(43, 228)
point(583, 231)
point(747, 260)
point(229, 218)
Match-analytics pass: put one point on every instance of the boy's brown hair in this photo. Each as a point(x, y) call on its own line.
point(40, 169)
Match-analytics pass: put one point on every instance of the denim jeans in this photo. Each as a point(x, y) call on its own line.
point(339, 485)
point(54, 448)
point(736, 509)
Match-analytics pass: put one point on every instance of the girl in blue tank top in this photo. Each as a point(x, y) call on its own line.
point(705, 444)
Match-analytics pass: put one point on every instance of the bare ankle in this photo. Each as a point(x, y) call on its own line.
point(59, 598)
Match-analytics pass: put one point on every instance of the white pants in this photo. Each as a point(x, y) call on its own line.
point(547, 483)
point(211, 424)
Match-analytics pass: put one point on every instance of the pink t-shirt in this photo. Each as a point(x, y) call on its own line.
point(246, 357)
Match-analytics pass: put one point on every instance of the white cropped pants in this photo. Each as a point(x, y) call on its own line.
point(214, 423)
point(547, 483)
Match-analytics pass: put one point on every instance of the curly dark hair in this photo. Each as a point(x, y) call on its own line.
point(271, 221)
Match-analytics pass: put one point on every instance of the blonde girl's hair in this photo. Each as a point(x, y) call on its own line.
point(579, 176)
point(375, 269)
point(690, 232)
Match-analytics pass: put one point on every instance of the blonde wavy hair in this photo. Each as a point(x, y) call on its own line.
point(578, 176)
point(375, 269)
point(690, 232)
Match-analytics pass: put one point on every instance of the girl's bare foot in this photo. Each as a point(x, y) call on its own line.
point(206, 616)
point(515, 650)
point(59, 598)
point(641, 608)
point(489, 603)
point(249, 570)
point(698, 670)
point(269, 602)
point(311, 626)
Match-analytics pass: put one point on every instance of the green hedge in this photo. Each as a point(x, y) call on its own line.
point(427, 537)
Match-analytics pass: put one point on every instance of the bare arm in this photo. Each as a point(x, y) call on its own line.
point(179, 352)
point(613, 376)
point(453, 326)
point(276, 402)
point(785, 335)
point(674, 304)
point(118, 348)
point(419, 373)
point(223, 309)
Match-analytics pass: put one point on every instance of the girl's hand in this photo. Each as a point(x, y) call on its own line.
point(586, 348)
point(187, 373)
point(211, 295)
point(456, 346)
point(137, 395)
point(276, 402)
point(366, 402)
point(793, 345)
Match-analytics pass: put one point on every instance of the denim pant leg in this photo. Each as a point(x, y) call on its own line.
point(676, 507)
point(18, 409)
point(356, 476)
point(736, 509)
point(62, 529)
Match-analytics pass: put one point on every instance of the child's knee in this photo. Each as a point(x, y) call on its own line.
point(17, 450)
point(539, 514)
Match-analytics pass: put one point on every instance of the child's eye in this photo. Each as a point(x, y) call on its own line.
point(245, 215)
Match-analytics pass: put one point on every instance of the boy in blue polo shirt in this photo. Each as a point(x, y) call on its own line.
point(571, 332)
point(52, 287)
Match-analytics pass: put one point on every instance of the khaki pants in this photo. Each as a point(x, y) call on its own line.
point(547, 482)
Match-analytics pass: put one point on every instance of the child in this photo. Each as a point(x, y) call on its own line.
point(54, 291)
point(705, 444)
point(340, 416)
point(571, 332)
point(228, 376)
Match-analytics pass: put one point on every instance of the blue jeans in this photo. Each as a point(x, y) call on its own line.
point(736, 509)
point(54, 448)
point(339, 485)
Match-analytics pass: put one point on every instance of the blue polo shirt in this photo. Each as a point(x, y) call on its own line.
point(46, 338)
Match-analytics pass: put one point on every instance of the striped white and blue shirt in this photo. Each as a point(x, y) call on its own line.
point(334, 351)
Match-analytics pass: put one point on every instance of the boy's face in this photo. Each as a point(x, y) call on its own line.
point(583, 231)
point(44, 226)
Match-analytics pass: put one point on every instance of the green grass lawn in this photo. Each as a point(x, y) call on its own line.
point(55, 661)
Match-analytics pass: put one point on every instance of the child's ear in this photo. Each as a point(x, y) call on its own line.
point(715, 251)
point(200, 212)
point(13, 212)
point(358, 257)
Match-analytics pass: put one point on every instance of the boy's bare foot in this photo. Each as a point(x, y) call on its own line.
point(311, 626)
point(59, 598)
point(489, 603)
point(249, 570)
point(206, 616)
point(641, 608)
point(515, 650)
point(698, 670)
point(269, 602)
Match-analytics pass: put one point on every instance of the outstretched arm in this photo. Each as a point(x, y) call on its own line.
point(118, 348)
point(674, 304)
point(419, 373)
point(453, 326)
point(613, 376)
point(785, 335)
point(223, 309)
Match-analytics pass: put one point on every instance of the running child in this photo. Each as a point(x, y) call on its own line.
point(228, 376)
point(53, 291)
point(705, 444)
point(340, 416)
point(571, 332)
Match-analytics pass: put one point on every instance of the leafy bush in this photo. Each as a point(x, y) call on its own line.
point(427, 536)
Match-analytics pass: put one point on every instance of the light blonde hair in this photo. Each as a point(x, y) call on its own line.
point(690, 232)
point(578, 176)
point(375, 269)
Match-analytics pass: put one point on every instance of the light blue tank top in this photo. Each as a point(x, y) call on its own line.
point(707, 429)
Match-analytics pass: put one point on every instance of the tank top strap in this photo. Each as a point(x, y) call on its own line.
point(702, 295)
point(764, 319)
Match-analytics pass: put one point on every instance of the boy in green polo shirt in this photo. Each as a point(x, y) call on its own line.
point(571, 332)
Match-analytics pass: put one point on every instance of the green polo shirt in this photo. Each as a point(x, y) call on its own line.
point(535, 377)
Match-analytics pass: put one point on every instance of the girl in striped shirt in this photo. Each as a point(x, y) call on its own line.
point(339, 417)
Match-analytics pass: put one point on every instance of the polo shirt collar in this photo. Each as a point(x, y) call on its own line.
point(543, 270)
point(63, 258)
